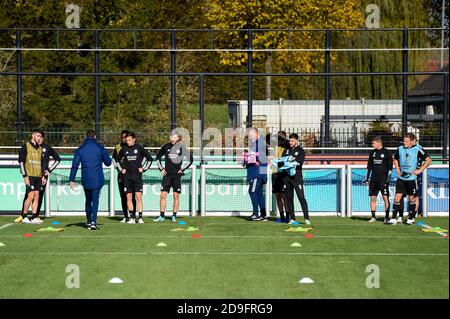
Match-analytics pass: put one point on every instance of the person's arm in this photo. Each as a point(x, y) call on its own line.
point(73, 171)
point(186, 153)
point(114, 158)
point(105, 157)
point(396, 163)
point(389, 165)
point(23, 160)
point(148, 159)
point(422, 155)
point(159, 155)
point(56, 159)
point(369, 167)
point(120, 156)
point(300, 157)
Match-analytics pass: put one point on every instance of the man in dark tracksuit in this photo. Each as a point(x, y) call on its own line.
point(295, 183)
point(32, 168)
point(379, 169)
point(174, 153)
point(136, 160)
point(92, 156)
point(123, 196)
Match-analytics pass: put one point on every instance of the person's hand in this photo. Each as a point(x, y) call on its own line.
point(417, 172)
point(141, 170)
point(164, 172)
point(44, 180)
point(72, 185)
point(366, 182)
point(26, 180)
point(46, 173)
point(124, 171)
point(180, 172)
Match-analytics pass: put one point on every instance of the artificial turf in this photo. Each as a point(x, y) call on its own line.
point(233, 258)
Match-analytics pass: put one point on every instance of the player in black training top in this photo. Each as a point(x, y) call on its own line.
point(295, 183)
point(379, 169)
point(174, 153)
point(120, 177)
point(136, 160)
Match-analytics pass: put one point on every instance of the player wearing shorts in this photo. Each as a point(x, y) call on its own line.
point(379, 169)
point(120, 177)
point(406, 160)
point(278, 176)
point(295, 183)
point(47, 153)
point(32, 168)
point(136, 160)
point(177, 159)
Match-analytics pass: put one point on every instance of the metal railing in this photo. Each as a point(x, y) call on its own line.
point(173, 44)
point(233, 199)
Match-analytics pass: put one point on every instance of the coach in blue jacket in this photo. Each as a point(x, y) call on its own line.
point(91, 155)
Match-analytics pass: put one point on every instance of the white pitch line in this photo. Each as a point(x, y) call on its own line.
point(6, 225)
point(223, 236)
point(225, 253)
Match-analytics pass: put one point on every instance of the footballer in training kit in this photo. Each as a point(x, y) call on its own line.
point(406, 161)
point(120, 179)
point(379, 169)
point(295, 183)
point(136, 160)
point(32, 168)
point(177, 159)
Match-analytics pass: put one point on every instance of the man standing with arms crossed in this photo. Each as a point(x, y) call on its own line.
point(136, 160)
point(92, 156)
point(405, 161)
point(120, 177)
point(379, 169)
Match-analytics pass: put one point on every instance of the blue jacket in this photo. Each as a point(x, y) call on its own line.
point(91, 155)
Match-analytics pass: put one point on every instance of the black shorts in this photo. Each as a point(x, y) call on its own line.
point(407, 187)
point(35, 184)
point(132, 185)
point(277, 183)
point(378, 185)
point(173, 182)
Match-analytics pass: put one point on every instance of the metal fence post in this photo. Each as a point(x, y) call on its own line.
point(405, 82)
point(445, 120)
point(173, 83)
point(424, 193)
point(112, 195)
point(343, 191)
point(19, 114)
point(327, 85)
point(268, 193)
point(97, 83)
point(193, 191)
point(47, 197)
point(202, 114)
point(250, 80)
point(349, 191)
point(203, 191)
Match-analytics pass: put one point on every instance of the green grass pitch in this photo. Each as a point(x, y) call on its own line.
point(233, 258)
